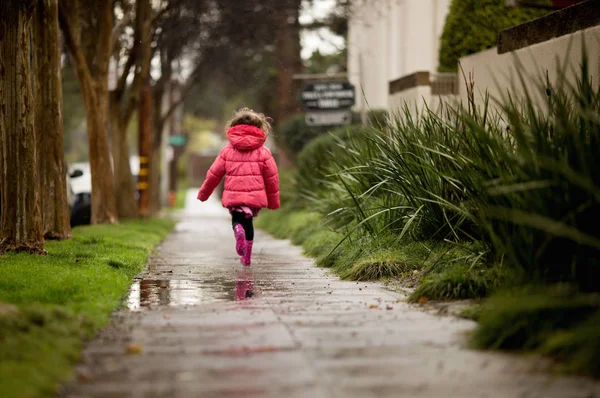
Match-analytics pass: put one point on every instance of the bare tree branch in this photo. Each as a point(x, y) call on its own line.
point(184, 92)
point(128, 65)
point(118, 30)
point(72, 41)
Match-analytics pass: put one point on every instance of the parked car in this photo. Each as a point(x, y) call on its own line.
point(80, 178)
point(81, 189)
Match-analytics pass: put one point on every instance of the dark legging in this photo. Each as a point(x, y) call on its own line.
point(246, 222)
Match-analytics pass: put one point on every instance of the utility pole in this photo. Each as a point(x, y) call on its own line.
point(145, 149)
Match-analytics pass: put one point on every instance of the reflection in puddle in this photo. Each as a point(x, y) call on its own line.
point(244, 286)
point(178, 292)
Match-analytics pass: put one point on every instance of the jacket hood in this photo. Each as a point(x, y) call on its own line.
point(245, 137)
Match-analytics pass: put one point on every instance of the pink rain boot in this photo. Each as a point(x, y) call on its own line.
point(246, 259)
point(240, 240)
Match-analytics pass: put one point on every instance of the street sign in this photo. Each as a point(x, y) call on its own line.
point(177, 140)
point(328, 118)
point(328, 95)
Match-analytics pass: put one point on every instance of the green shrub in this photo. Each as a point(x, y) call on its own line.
point(553, 320)
point(478, 202)
point(542, 207)
point(314, 161)
point(377, 118)
point(531, 193)
point(320, 244)
point(461, 283)
point(287, 187)
point(578, 347)
point(296, 133)
point(473, 25)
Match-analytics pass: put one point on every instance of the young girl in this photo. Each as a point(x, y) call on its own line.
point(251, 179)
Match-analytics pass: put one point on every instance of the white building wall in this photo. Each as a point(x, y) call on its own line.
point(494, 73)
point(391, 39)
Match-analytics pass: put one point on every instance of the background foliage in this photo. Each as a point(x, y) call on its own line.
point(473, 26)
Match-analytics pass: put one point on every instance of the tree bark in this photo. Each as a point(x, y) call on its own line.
point(289, 62)
point(147, 165)
point(21, 223)
point(124, 101)
point(124, 184)
point(158, 124)
point(49, 123)
point(104, 209)
point(155, 174)
point(288, 58)
point(89, 45)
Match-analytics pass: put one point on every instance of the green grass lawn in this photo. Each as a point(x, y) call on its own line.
point(63, 298)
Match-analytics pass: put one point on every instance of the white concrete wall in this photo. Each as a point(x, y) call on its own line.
point(416, 98)
point(412, 97)
point(495, 73)
point(388, 39)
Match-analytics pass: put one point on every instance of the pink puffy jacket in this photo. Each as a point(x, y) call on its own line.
point(250, 171)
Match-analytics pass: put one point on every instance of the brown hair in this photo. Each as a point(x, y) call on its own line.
point(248, 116)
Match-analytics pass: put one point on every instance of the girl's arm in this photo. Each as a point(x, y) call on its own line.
point(213, 178)
point(271, 178)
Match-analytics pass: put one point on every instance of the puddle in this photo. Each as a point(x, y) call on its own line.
point(181, 292)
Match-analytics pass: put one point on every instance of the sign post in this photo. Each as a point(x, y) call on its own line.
point(328, 103)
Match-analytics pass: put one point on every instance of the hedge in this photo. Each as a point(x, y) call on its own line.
point(473, 25)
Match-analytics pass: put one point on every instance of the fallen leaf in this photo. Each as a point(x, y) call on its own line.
point(373, 306)
point(83, 376)
point(423, 299)
point(163, 286)
point(389, 307)
point(133, 349)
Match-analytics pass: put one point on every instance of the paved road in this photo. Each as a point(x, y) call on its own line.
point(198, 325)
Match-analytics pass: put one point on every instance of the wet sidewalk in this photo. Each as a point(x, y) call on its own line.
point(196, 324)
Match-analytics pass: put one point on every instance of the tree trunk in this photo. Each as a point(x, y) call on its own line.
point(147, 164)
point(155, 156)
point(289, 62)
point(49, 123)
point(156, 173)
point(21, 224)
point(89, 45)
point(103, 190)
point(288, 58)
point(124, 184)
point(145, 152)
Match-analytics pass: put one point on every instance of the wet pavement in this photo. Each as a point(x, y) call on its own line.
point(197, 324)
